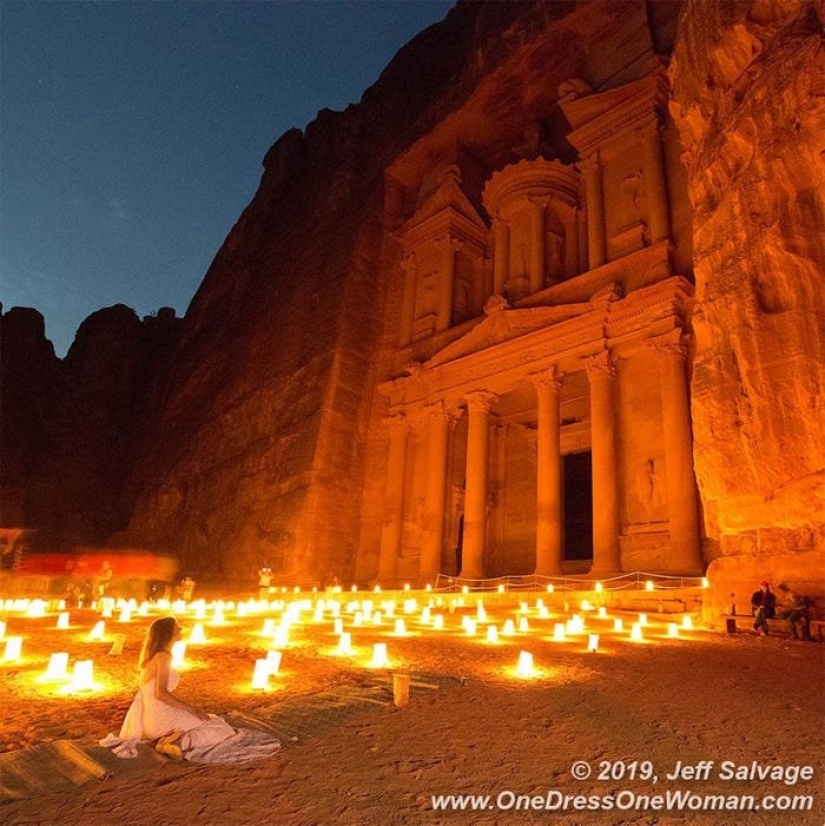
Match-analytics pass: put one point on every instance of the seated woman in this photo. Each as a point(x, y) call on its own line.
point(180, 729)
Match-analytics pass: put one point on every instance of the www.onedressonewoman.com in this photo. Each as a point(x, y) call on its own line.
point(624, 800)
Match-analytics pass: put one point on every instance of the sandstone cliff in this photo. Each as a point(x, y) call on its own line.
point(748, 101)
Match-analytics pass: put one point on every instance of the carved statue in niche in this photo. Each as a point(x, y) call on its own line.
point(649, 492)
point(554, 260)
point(462, 298)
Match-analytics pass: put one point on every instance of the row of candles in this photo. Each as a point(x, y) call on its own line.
point(361, 611)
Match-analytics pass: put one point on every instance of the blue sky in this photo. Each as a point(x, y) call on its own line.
point(132, 133)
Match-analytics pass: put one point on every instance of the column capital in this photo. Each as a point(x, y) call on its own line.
point(408, 262)
point(438, 410)
point(592, 163)
point(602, 365)
point(397, 420)
point(480, 401)
point(671, 345)
point(552, 379)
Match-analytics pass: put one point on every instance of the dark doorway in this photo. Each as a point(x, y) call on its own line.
point(578, 506)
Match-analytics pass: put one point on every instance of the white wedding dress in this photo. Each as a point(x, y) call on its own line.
point(212, 740)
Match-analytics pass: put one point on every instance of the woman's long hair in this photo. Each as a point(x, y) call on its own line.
point(157, 638)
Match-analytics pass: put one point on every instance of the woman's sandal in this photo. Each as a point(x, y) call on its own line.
point(168, 745)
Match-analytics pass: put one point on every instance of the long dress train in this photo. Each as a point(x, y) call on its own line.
point(212, 740)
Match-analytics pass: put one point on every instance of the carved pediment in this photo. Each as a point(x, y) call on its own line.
point(449, 203)
point(502, 323)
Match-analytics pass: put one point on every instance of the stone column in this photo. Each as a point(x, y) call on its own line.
point(437, 452)
point(606, 550)
point(656, 185)
point(581, 222)
point(446, 275)
point(393, 500)
point(537, 244)
point(596, 231)
point(682, 498)
point(408, 305)
point(548, 474)
point(501, 260)
point(475, 497)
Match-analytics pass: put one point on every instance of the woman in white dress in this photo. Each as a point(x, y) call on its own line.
point(156, 713)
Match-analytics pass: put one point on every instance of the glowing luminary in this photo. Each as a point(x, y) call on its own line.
point(318, 616)
point(523, 608)
point(429, 588)
point(57, 668)
point(242, 610)
point(36, 608)
point(618, 625)
point(592, 642)
point(602, 612)
point(481, 613)
point(377, 589)
point(63, 620)
point(558, 632)
point(200, 611)
point(379, 656)
point(425, 618)
point(586, 605)
point(544, 612)
point(338, 626)
point(2, 629)
point(143, 609)
point(260, 676)
point(575, 625)
point(492, 633)
point(523, 625)
point(99, 631)
point(550, 588)
point(410, 606)
point(525, 664)
point(687, 622)
point(400, 628)
point(217, 615)
point(125, 615)
point(377, 618)
point(406, 586)
point(705, 582)
point(598, 588)
point(281, 636)
point(673, 630)
point(344, 645)
point(354, 589)
point(358, 619)
point(82, 677)
point(642, 619)
point(178, 654)
point(636, 632)
point(509, 628)
point(501, 589)
point(197, 636)
point(649, 585)
point(273, 661)
point(438, 622)
point(13, 647)
point(61, 605)
point(470, 627)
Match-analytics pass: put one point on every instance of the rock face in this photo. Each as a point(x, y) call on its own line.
point(748, 102)
point(266, 441)
point(71, 427)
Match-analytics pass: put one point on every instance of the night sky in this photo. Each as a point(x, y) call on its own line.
point(132, 133)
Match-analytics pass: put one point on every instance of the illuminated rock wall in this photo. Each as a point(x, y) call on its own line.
point(748, 102)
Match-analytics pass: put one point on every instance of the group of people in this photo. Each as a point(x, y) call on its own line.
point(794, 610)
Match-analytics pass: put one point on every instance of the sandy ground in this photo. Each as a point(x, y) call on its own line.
point(634, 711)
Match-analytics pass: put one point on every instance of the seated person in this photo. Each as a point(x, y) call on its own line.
point(794, 610)
point(763, 607)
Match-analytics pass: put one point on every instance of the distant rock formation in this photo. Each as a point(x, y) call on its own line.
point(71, 428)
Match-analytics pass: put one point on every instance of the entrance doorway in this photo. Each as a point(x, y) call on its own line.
point(578, 506)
